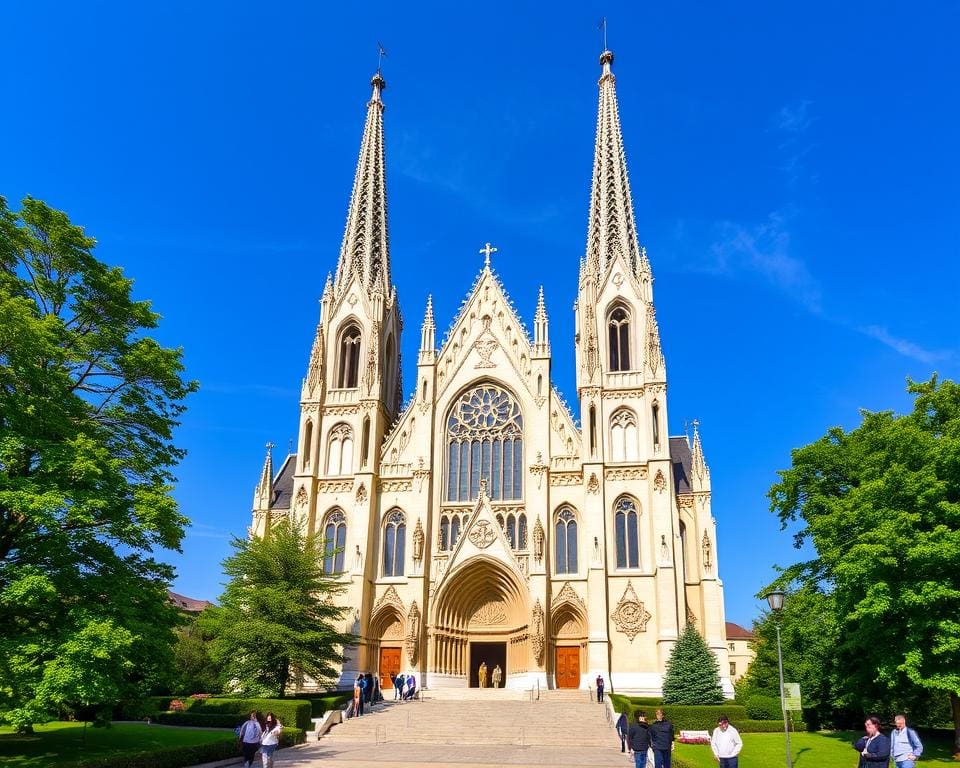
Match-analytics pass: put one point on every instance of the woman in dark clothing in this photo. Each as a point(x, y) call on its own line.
point(622, 727)
point(874, 748)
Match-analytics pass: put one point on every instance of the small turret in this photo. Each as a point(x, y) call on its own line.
point(263, 494)
point(541, 328)
point(428, 333)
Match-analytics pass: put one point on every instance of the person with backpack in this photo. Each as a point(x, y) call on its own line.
point(249, 734)
point(638, 737)
point(905, 745)
point(623, 725)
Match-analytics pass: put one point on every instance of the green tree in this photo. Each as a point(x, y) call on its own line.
point(194, 668)
point(693, 674)
point(88, 403)
point(276, 617)
point(881, 507)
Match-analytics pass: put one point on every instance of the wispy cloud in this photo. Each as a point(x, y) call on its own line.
point(793, 118)
point(201, 531)
point(791, 122)
point(905, 347)
point(765, 250)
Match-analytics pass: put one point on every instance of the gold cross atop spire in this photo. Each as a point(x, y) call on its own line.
point(486, 251)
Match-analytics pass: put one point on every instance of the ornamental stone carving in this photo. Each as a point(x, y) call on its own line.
point(418, 542)
point(301, 500)
point(691, 617)
point(361, 493)
point(482, 534)
point(396, 486)
point(413, 632)
point(568, 595)
point(536, 632)
point(489, 614)
point(485, 347)
point(659, 481)
point(707, 548)
point(638, 473)
point(593, 485)
point(538, 537)
point(390, 597)
point(630, 617)
point(335, 486)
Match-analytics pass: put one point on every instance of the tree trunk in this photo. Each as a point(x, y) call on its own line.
point(284, 678)
point(955, 708)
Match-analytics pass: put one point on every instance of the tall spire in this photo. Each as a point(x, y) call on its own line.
point(701, 473)
point(365, 251)
point(541, 329)
point(263, 494)
point(612, 228)
point(428, 334)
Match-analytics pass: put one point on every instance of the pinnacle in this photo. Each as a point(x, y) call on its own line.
point(428, 314)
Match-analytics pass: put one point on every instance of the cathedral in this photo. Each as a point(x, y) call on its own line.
point(482, 523)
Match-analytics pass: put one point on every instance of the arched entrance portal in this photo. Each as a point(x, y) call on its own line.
point(480, 615)
point(569, 637)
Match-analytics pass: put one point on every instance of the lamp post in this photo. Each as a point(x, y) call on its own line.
point(775, 599)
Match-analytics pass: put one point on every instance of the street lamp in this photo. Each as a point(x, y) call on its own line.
point(775, 599)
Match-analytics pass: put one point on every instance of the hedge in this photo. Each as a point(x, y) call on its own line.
point(199, 719)
point(697, 718)
point(326, 703)
point(293, 712)
point(177, 757)
point(764, 708)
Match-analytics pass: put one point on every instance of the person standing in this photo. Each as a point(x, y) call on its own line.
point(399, 682)
point(639, 739)
point(661, 738)
point(358, 696)
point(874, 748)
point(482, 674)
point(250, 733)
point(905, 745)
point(270, 739)
point(623, 726)
point(726, 743)
point(497, 676)
point(599, 688)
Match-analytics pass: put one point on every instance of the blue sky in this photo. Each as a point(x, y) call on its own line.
point(794, 173)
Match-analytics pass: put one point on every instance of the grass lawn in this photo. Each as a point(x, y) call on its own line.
point(810, 750)
point(58, 743)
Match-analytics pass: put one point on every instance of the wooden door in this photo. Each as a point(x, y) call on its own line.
point(389, 665)
point(568, 667)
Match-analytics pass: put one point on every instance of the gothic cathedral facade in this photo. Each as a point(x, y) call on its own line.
point(481, 523)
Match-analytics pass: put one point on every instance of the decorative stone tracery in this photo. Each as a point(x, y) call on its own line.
point(630, 617)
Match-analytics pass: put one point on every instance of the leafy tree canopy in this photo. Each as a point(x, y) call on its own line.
point(693, 674)
point(881, 507)
point(277, 619)
point(88, 404)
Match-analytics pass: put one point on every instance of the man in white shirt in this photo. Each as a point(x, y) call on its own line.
point(726, 743)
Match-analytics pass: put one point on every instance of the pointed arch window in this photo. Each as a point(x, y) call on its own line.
point(334, 541)
point(655, 425)
point(485, 441)
point(365, 442)
point(683, 550)
point(340, 450)
point(348, 366)
point(618, 329)
point(565, 540)
point(389, 375)
point(626, 521)
point(307, 444)
point(624, 436)
point(449, 531)
point(394, 541)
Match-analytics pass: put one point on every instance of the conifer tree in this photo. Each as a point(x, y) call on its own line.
point(693, 674)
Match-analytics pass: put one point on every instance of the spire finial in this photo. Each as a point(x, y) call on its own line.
point(486, 251)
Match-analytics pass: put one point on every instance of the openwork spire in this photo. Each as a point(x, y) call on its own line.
point(701, 472)
point(428, 332)
point(264, 491)
point(611, 228)
point(541, 332)
point(365, 251)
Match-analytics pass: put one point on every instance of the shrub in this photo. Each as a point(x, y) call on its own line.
point(295, 713)
point(763, 708)
point(176, 757)
point(326, 703)
point(692, 674)
point(199, 719)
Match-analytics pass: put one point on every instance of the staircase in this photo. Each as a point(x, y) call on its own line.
point(483, 717)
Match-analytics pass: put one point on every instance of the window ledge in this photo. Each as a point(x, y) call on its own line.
point(392, 580)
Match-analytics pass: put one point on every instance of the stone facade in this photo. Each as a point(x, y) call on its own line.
point(740, 650)
point(481, 522)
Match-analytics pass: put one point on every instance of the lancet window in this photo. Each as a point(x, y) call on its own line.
point(485, 441)
point(348, 366)
point(624, 436)
point(618, 327)
point(334, 541)
point(565, 560)
point(394, 541)
point(515, 529)
point(626, 521)
point(450, 527)
point(340, 451)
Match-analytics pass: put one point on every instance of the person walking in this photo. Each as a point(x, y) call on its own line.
point(398, 685)
point(874, 748)
point(905, 745)
point(270, 739)
point(497, 676)
point(599, 688)
point(661, 738)
point(250, 733)
point(623, 726)
point(726, 743)
point(638, 737)
point(368, 688)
